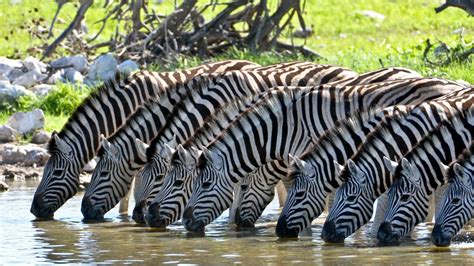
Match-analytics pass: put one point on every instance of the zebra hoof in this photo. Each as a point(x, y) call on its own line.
point(386, 236)
point(330, 234)
point(438, 238)
point(283, 231)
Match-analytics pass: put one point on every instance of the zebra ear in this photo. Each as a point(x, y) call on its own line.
point(212, 158)
point(355, 171)
point(411, 172)
point(183, 154)
point(338, 167)
point(173, 142)
point(444, 169)
point(463, 178)
point(167, 151)
point(297, 162)
point(390, 165)
point(109, 148)
point(61, 145)
point(141, 148)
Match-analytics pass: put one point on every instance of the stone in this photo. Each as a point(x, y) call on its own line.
point(7, 65)
point(127, 67)
point(56, 77)
point(29, 78)
point(9, 92)
point(8, 134)
point(371, 14)
point(16, 73)
point(78, 62)
point(27, 122)
point(3, 186)
point(303, 33)
point(40, 137)
point(41, 89)
point(90, 166)
point(73, 76)
point(28, 155)
point(103, 68)
point(32, 63)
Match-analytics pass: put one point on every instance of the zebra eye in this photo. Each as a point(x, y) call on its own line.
point(405, 197)
point(104, 173)
point(178, 183)
point(58, 172)
point(206, 185)
point(456, 201)
point(159, 177)
point(300, 194)
point(244, 187)
point(351, 199)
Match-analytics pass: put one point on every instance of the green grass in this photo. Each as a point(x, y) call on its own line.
point(341, 35)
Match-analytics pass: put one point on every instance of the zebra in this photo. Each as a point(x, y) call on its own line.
point(103, 112)
point(286, 125)
point(364, 176)
point(419, 174)
point(457, 205)
point(121, 157)
point(257, 188)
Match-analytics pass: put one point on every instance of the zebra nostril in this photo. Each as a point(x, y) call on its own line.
point(188, 213)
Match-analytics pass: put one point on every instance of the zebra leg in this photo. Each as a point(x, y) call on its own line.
point(281, 190)
point(435, 201)
point(330, 201)
point(123, 207)
point(380, 209)
point(235, 203)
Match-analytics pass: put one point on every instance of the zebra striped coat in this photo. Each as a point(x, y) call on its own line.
point(419, 174)
point(121, 159)
point(286, 125)
point(364, 175)
point(457, 205)
point(102, 113)
point(257, 188)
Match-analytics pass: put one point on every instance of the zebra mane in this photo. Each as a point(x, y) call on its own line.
point(464, 158)
point(273, 103)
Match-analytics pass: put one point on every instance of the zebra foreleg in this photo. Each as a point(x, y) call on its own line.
point(380, 209)
point(235, 203)
point(281, 189)
point(123, 205)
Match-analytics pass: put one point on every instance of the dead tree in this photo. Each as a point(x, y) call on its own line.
point(466, 5)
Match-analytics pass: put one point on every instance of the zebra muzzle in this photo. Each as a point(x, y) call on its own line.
point(439, 238)
point(330, 234)
point(138, 215)
point(152, 216)
point(283, 231)
point(385, 234)
point(190, 223)
point(89, 211)
point(39, 209)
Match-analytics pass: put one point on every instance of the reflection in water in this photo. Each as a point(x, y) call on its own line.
point(68, 239)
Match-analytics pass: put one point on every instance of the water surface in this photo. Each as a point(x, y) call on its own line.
point(67, 239)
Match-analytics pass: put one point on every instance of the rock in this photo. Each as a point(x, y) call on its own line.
point(90, 166)
point(56, 77)
point(41, 89)
point(303, 33)
point(28, 155)
point(7, 65)
point(40, 137)
point(3, 186)
point(9, 92)
point(371, 14)
point(8, 134)
point(32, 63)
point(16, 73)
point(103, 68)
point(127, 67)
point(4, 77)
point(73, 76)
point(78, 62)
point(29, 79)
point(27, 122)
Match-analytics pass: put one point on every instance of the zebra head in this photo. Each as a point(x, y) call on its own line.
point(408, 202)
point(304, 202)
point(353, 205)
point(212, 193)
point(151, 178)
point(169, 202)
point(256, 192)
point(60, 179)
point(456, 207)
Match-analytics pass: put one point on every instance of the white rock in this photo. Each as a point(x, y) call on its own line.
point(16, 73)
point(9, 92)
point(27, 155)
point(27, 122)
point(78, 62)
point(56, 77)
point(127, 67)
point(73, 76)
point(90, 166)
point(371, 14)
point(8, 134)
point(41, 89)
point(6, 65)
point(40, 137)
point(29, 79)
point(4, 77)
point(32, 63)
point(103, 68)
point(3, 186)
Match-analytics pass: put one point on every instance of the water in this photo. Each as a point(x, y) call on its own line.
point(119, 240)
